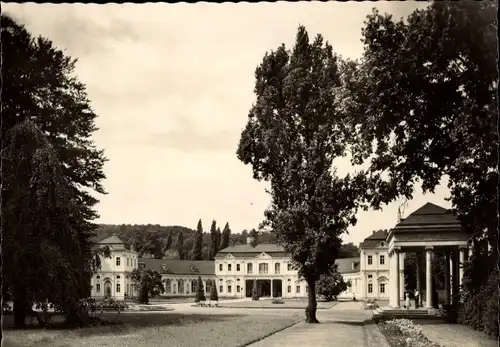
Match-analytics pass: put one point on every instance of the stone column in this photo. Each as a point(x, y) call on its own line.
point(365, 285)
point(419, 285)
point(272, 296)
point(428, 278)
point(455, 272)
point(397, 284)
point(463, 258)
point(447, 279)
point(401, 276)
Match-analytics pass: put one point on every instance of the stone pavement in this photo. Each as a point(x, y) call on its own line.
point(345, 324)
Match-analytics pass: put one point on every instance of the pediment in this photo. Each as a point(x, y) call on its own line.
point(264, 255)
point(229, 256)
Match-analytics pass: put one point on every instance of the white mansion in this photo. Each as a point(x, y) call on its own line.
point(236, 267)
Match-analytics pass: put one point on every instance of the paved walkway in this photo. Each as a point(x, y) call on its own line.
point(345, 324)
point(455, 335)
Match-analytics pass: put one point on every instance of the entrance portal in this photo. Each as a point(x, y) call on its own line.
point(277, 288)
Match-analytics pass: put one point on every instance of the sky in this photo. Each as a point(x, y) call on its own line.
point(172, 85)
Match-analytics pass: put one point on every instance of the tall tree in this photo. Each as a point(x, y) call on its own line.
point(440, 118)
point(168, 243)
point(39, 85)
point(331, 284)
point(198, 242)
point(180, 245)
point(214, 240)
point(226, 236)
point(148, 282)
point(255, 237)
point(293, 134)
point(219, 238)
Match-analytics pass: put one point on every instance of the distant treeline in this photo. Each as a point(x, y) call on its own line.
point(157, 241)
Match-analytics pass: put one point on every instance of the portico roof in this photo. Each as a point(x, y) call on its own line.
point(429, 225)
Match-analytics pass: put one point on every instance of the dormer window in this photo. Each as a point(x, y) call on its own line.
point(164, 267)
point(118, 277)
point(382, 244)
point(193, 268)
point(142, 265)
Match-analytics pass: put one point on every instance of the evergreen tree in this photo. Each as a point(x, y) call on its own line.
point(39, 86)
point(255, 237)
point(219, 239)
point(168, 243)
point(226, 236)
point(180, 245)
point(200, 291)
point(198, 242)
point(214, 242)
point(213, 293)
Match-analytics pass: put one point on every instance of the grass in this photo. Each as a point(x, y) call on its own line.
point(180, 299)
point(157, 329)
point(287, 303)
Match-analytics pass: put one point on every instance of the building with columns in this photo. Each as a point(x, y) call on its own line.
point(429, 230)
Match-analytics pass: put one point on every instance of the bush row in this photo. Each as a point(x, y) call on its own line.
point(404, 333)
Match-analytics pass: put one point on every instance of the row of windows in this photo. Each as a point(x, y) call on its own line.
point(263, 268)
point(381, 260)
point(381, 288)
point(238, 289)
point(182, 287)
point(130, 261)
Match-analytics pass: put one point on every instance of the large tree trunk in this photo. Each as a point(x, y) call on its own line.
point(311, 303)
point(20, 308)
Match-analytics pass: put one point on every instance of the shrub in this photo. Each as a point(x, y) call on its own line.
point(404, 333)
point(278, 301)
point(213, 294)
point(200, 291)
point(255, 292)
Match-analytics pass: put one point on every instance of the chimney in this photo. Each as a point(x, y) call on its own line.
point(399, 215)
point(249, 240)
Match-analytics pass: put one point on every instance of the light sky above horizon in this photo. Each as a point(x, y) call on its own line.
point(172, 85)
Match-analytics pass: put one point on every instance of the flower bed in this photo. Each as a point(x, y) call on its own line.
point(404, 333)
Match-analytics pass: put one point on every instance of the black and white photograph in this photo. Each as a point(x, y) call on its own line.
point(261, 174)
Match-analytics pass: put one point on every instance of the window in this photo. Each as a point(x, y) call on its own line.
point(220, 289)
point(370, 288)
point(290, 267)
point(98, 277)
point(228, 267)
point(249, 268)
point(175, 288)
point(118, 287)
point(370, 260)
point(194, 286)
point(277, 268)
point(117, 261)
point(263, 268)
point(289, 289)
point(370, 276)
point(382, 260)
point(237, 289)
point(229, 288)
point(382, 288)
point(181, 286)
point(298, 289)
point(237, 267)
point(118, 277)
point(98, 287)
point(208, 286)
point(168, 286)
point(220, 267)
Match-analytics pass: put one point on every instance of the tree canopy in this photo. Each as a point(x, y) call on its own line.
point(47, 123)
point(293, 134)
point(198, 242)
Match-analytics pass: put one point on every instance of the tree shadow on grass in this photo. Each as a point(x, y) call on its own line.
point(125, 322)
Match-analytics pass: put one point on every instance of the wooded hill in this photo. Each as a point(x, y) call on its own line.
point(152, 240)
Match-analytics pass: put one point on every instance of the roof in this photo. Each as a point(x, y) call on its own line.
point(249, 251)
point(112, 240)
point(429, 216)
point(180, 267)
point(344, 265)
point(374, 239)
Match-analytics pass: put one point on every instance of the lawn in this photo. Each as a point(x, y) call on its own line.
point(287, 303)
point(179, 300)
point(157, 329)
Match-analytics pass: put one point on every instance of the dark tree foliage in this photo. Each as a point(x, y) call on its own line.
point(200, 291)
point(213, 294)
point(226, 237)
point(39, 86)
point(198, 243)
point(219, 238)
point(179, 246)
point(148, 282)
point(293, 134)
point(254, 238)
point(214, 240)
point(423, 104)
point(168, 243)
